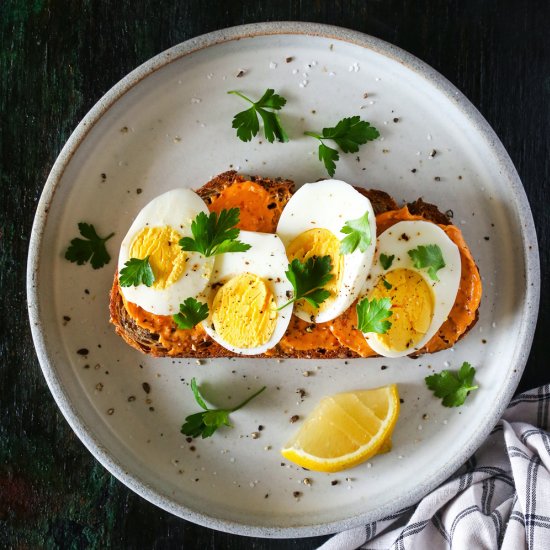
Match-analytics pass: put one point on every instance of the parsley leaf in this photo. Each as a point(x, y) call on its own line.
point(247, 124)
point(308, 278)
point(214, 234)
point(453, 388)
point(92, 249)
point(372, 316)
point(329, 157)
point(429, 256)
point(348, 134)
point(207, 422)
point(387, 285)
point(192, 312)
point(358, 235)
point(386, 261)
point(136, 272)
point(316, 297)
point(351, 132)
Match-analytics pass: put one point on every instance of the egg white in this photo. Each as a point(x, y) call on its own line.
point(177, 209)
point(329, 204)
point(444, 291)
point(267, 259)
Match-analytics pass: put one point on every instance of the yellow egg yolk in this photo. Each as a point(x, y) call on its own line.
point(166, 257)
point(412, 306)
point(244, 311)
point(319, 242)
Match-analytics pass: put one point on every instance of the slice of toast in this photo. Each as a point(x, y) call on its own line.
point(197, 344)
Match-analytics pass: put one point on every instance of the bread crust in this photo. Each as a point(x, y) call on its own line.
point(428, 211)
point(205, 347)
point(280, 189)
point(380, 200)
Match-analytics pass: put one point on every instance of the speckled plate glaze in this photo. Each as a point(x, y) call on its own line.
point(168, 124)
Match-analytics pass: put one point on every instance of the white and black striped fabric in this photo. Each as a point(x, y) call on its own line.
point(499, 499)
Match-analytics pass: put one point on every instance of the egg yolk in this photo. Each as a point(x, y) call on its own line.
point(412, 306)
point(319, 242)
point(244, 311)
point(166, 257)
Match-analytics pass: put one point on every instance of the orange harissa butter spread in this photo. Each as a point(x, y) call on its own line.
point(467, 299)
point(302, 336)
point(344, 328)
point(462, 314)
point(173, 339)
point(255, 203)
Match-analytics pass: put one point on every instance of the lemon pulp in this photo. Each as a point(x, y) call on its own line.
point(345, 429)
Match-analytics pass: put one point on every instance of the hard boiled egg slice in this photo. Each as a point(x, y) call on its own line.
point(420, 304)
point(310, 225)
point(246, 290)
point(156, 232)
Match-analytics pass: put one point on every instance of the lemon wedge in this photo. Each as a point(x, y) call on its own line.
point(345, 429)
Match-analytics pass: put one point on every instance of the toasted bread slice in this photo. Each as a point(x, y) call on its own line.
point(307, 341)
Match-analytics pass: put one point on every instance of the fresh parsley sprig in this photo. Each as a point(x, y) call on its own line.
point(453, 388)
point(205, 423)
point(192, 312)
point(213, 234)
point(136, 272)
point(247, 124)
point(91, 248)
point(308, 278)
point(386, 261)
point(373, 315)
point(358, 235)
point(429, 256)
point(348, 134)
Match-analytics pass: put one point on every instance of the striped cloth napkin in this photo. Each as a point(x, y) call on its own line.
point(499, 499)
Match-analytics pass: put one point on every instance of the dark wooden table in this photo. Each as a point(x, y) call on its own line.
point(57, 58)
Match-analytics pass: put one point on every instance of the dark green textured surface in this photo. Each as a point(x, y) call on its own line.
point(57, 58)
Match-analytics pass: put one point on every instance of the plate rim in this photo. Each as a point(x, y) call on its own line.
point(47, 363)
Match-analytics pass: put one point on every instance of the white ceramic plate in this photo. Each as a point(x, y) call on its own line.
point(168, 124)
